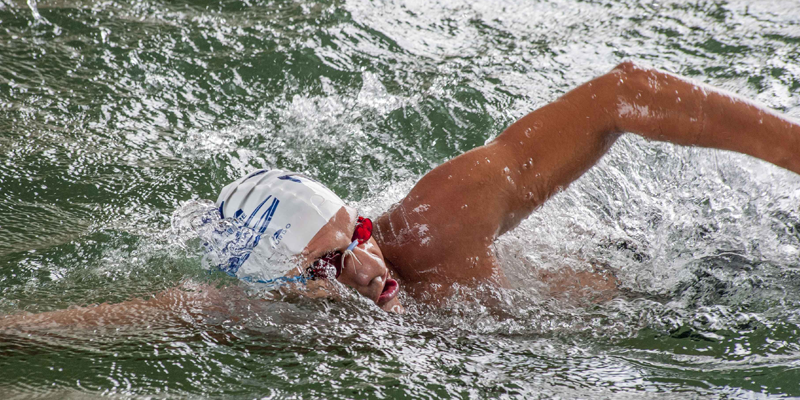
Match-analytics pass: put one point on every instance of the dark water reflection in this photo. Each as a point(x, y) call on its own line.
point(114, 113)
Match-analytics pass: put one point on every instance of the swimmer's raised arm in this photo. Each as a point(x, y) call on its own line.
point(562, 140)
point(458, 209)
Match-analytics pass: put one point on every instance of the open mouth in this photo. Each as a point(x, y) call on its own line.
point(389, 291)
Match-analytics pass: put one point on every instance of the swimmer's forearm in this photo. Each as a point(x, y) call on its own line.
point(664, 107)
point(133, 312)
point(172, 306)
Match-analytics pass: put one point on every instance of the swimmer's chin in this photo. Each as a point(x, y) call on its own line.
point(393, 306)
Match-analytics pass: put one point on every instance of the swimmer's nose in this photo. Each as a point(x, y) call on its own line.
point(368, 272)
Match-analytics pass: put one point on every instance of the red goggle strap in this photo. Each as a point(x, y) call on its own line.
point(363, 230)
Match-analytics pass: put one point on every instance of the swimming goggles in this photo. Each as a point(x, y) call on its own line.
point(331, 265)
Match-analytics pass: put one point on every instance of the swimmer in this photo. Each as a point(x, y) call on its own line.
point(442, 232)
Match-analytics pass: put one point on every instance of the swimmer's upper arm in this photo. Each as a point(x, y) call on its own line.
point(445, 226)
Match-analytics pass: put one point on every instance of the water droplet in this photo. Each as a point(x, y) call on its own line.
point(527, 164)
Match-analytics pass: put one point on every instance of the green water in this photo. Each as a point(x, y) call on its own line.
point(112, 114)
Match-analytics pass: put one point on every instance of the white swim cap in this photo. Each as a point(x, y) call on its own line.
point(284, 210)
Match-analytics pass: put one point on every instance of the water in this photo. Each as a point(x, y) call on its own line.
point(114, 114)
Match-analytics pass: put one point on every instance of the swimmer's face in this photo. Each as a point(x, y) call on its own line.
point(366, 270)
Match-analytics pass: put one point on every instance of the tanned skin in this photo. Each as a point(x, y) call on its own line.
point(441, 232)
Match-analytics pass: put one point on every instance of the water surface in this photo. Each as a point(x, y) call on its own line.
point(114, 114)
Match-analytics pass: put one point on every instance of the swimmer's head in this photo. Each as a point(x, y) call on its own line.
point(282, 211)
point(282, 218)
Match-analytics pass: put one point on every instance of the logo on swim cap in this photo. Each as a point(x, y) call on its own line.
point(276, 238)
